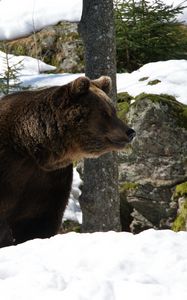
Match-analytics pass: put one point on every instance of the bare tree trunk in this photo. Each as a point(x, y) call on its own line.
point(100, 196)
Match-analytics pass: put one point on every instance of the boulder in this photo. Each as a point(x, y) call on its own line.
point(155, 163)
point(58, 45)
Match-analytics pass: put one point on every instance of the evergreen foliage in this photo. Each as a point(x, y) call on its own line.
point(9, 80)
point(147, 32)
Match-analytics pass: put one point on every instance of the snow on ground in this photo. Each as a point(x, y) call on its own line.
point(101, 266)
point(22, 17)
point(172, 75)
point(73, 211)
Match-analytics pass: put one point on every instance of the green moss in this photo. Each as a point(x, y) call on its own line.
point(69, 226)
point(184, 113)
point(181, 220)
point(143, 78)
point(177, 109)
point(128, 186)
point(156, 98)
point(181, 189)
point(124, 97)
point(123, 103)
point(153, 82)
point(122, 109)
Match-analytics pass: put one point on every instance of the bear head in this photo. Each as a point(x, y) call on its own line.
point(89, 123)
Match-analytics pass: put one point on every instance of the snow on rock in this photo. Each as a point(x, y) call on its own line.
point(172, 75)
point(22, 17)
point(100, 266)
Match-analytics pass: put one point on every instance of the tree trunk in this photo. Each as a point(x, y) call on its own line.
point(100, 197)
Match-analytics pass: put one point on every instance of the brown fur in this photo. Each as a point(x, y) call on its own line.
point(41, 133)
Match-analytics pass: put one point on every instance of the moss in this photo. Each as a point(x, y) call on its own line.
point(124, 97)
point(122, 109)
point(123, 103)
point(126, 186)
point(143, 78)
point(153, 82)
point(52, 45)
point(20, 49)
point(69, 226)
point(181, 220)
point(156, 98)
point(178, 110)
point(181, 189)
point(184, 113)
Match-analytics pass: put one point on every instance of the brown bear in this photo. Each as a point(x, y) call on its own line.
point(41, 133)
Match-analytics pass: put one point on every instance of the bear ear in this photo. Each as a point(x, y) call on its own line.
point(80, 85)
point(104, 83)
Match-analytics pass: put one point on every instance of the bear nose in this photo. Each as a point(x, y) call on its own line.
point(131, 134)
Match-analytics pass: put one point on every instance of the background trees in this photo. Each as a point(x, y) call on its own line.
point(148, 32)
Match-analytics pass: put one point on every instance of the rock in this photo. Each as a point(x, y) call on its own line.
point(156, 162)
point(58, 45)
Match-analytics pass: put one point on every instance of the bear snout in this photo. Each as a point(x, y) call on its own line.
point(131, 134)
point(120, 135)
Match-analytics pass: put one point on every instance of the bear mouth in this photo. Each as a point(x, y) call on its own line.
point(118, 143)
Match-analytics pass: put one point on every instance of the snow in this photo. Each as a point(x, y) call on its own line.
point(27, 65)
point(99, 266)
point(22, 17)
point(73, 211)
point(171, 73)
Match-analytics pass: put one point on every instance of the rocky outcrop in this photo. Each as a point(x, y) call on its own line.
point(58, 45)
point(155, 164)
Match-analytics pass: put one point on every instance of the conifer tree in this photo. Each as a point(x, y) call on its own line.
point(9, 77)
point(148, 31)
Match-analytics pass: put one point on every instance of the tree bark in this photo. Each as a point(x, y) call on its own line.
point(100, 197)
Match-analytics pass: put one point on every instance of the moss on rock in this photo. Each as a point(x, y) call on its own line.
point(181, 190)
point(180, 222)
point(69, 226)
point(153, 82)
point(128, 186)
point(123, 103)
point(177, 109)
point(143, 78)
point(58, 45)
point(180, 193)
